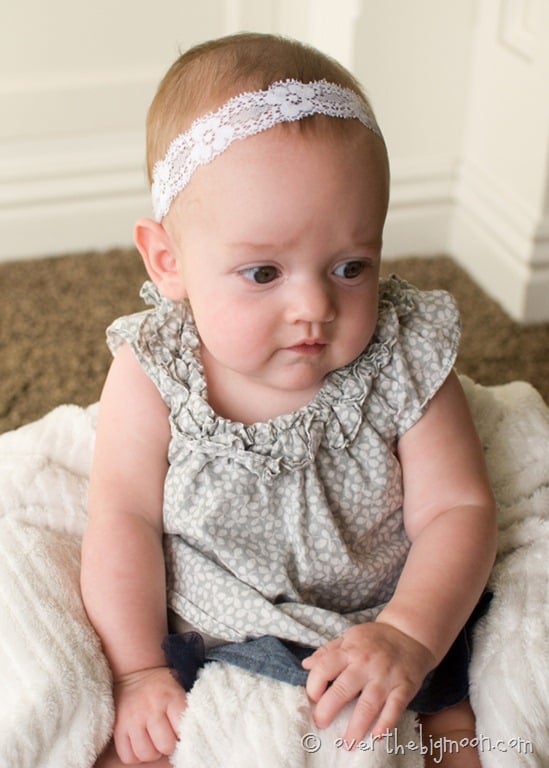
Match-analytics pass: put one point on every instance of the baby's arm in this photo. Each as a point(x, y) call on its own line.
point(449, 514)
point(123, 581)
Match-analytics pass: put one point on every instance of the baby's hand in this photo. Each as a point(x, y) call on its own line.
point(148, 706)
point(376, 662)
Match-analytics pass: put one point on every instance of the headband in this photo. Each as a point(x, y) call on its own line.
point(245, 115)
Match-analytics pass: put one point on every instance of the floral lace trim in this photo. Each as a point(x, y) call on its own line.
point(243, 116)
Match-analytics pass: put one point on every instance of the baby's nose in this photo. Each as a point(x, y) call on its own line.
point(312, 303)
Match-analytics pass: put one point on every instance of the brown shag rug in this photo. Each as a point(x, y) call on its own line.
point(54, 311)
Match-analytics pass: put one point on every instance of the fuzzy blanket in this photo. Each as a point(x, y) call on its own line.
point(56, 707)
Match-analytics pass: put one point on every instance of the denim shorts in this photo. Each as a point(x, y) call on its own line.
point(446, 685)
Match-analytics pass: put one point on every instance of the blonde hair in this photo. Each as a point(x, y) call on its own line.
point(206, 76)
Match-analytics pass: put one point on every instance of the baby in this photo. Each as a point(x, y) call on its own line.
point(285, 459)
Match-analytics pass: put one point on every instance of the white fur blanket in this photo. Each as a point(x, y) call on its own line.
point(56, 707)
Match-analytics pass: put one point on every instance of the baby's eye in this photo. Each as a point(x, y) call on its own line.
point(350, 270)
point(261, 275)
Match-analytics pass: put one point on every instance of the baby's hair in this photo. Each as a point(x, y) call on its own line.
point(206, 76)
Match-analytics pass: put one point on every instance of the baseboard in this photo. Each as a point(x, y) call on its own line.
point(523, 292)
point(502, 244)
point(73, 227)
point(420, 210)
point(70, 195)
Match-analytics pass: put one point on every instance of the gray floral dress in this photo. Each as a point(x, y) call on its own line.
point(292, 527)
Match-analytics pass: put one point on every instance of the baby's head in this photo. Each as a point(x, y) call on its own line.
point(208, 75)
point(270, 188)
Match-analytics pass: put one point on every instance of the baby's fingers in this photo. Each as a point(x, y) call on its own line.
point(175, 709)
point(376, 711)
point(324, 666)
point(394, 708)
point(136, 747)
point(310, 661)
point(162, 736)
point(344, 688)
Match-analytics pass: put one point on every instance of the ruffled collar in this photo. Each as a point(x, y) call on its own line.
point(333, 417)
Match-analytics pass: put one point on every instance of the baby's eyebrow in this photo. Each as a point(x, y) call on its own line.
point(256, 247)
point(362, 241)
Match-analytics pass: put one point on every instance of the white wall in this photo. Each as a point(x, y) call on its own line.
point(413, 58)
point(76, 79)
point(500, 228)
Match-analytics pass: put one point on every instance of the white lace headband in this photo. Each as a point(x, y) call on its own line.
point(243, 116)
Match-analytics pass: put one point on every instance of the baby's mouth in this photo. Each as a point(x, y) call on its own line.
point(309, 347)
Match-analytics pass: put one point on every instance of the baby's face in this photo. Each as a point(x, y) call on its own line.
point(278, 243)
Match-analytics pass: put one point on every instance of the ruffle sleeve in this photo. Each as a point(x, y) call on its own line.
point(164, 342)
point(422, 330)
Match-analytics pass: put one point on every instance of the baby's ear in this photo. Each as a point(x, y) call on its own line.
point(158, 253)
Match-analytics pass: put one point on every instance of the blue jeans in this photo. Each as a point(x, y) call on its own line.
point(446, 685)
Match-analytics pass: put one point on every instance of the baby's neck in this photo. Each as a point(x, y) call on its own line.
point(247, 402)
point(257, 405)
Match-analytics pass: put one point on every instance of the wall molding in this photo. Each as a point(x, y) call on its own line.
point(74, 193)
point(520, 228)
point(521, 291)
point(518, 22)
point(69, 105)
point(420, 209)
point(493, 233)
